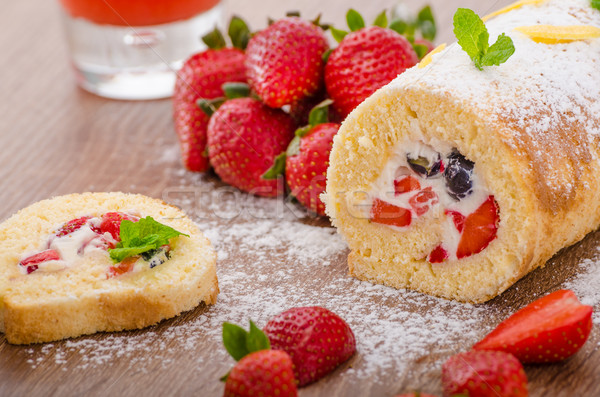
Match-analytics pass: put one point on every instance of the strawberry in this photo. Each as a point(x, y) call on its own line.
point(71, 226)
point(484, 374)
point(306, 170)
point(244, 138)
point(406, 184)
point(438, 255)
point(285, 61)
point(423, 200)
point(31, 262)
point(389, 214)
point(317, 340)
point(125, 266)
point(263, 373)
point(479, 229)
point(201, 77)
point(111, 223)
point(549, 329)
point(365, 60)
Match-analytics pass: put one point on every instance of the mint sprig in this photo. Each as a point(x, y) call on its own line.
point(142, 236)
point(596, 4)
point(473, 37)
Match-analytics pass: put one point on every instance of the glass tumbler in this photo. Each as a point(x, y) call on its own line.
point(131, 49)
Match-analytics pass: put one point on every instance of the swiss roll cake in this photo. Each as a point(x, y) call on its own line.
point(456, 181)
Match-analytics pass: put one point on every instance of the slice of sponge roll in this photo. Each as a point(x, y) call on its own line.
point(457, 182)
point(80, 293)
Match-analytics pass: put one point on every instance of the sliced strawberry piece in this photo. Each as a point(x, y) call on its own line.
point(72, 226)
point(438, 255)
point(111, 223)
point(549, 329)
point(389, 214)
point(422, 201)
point(31, 262)
point(458, 219)
point(479, 229)
point(406, 184)
point(125, 266)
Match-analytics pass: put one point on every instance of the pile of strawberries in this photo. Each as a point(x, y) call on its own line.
point(304, 344)
point(257, 111)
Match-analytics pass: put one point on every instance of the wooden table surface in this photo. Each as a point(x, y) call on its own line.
point(58, 139)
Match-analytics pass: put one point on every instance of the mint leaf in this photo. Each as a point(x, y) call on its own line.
point(596, 4)
point(468, 29)
point(473, 37)
point(499, 52)
point(142, 236)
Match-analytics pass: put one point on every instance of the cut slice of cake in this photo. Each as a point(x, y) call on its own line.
point(84, 263)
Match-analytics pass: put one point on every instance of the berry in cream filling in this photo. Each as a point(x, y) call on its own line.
point(419, 181)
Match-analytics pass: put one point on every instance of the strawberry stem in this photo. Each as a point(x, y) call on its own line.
point(214, 39)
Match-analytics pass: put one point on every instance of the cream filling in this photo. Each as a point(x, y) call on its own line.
point(398, 166)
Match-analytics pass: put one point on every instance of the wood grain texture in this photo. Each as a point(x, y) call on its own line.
point(57, 139)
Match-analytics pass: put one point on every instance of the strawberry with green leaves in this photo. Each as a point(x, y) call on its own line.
point(484, 374)
point(317, 340)
point(365, 60)
point(285, 61)
point(547, 330)
point(200, 78)
point(244, 138)
point(307, 158)
point(260, 371)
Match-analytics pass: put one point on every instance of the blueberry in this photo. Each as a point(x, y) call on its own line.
point(424, 166)
point(458, 175)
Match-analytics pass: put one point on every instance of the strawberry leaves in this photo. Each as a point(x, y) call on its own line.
point(473, 37)
point(238, 32)
point(239, 343)
point(355, 20)
point(596, 4)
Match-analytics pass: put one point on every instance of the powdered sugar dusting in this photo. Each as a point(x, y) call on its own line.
point(586, 284)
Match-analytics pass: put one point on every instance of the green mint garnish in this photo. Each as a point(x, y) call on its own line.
point(473, 37)
point(142, 236)
point(596, 4)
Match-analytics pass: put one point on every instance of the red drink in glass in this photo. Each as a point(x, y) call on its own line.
point(131, 49)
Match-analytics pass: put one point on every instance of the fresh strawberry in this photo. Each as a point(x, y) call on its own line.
point(484, 374)
point(306, 171)
point(366, 60)
point(458, 219)
point(31, 262)
point(125, 266)
point(244, 138)
point(71, 226)
point(285, 61)
point(317, 340)
point(549, 329)
point(263, 373)
point(406, 184)
point(423, 200)
point(389, 214)
point(111, 223)
point(479, 229)
point(438, 255)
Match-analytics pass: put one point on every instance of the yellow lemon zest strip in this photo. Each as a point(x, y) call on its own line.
point(427, 58)
point(550, 34)
point(513, 6)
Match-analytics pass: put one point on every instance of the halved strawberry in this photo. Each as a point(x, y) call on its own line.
point(31, 262)
point(422, 201)
point(111, 223)
point(438, 255)
point(125, 266)
point(457, 218)
point(479, 229)
point(406, 184)
point(549, 329)
point(72, 226)
point(389, 214)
